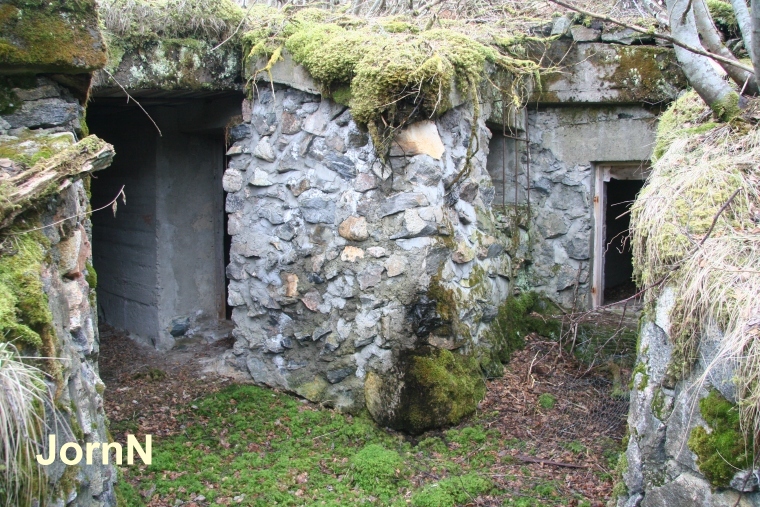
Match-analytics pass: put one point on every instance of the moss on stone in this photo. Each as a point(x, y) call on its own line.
point(393, 74)
point(55, 36)
point(640, 368)
point(91, 276)
point(25, 317)
point(440, 389)
point(643, 69)
point(30, 146)
point(722, 449)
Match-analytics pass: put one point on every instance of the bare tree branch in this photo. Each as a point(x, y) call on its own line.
point(662, 36)
point(713, 42)
point(744, 20)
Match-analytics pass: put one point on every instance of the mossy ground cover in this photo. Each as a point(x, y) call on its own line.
point(250, 446)
point(246, 445)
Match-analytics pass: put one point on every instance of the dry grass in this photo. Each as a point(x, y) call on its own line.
point(23, 396)
point(696, 224)
point(213, 20)
point(478, 11)
point(218, 19)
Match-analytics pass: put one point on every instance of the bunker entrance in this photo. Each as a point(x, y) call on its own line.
point(616, 190)
point(161, 258)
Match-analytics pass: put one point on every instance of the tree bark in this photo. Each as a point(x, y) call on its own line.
point(744, 21)
point(756, 36)
point(713, 42)
point(699, 69)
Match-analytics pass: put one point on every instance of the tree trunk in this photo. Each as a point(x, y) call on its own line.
point(698, 69)
point(744, 20)
point(756, 36)
point(712, 41)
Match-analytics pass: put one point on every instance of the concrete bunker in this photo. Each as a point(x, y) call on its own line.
point(161, 257)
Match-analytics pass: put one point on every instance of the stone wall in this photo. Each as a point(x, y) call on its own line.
point(567, 147)
point(340, 262)
point(660, 469)
point(46, 120)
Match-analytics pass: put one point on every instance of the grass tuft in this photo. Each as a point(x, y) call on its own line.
point(23, 398)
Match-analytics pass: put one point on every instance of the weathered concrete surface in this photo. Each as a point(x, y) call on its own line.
point(180, 65)
point(161, 256)
point(599, 73)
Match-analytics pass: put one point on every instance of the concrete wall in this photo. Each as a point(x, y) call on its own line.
point(125, 246)
point(189, 226)
point(567, 144)
point(161, 257)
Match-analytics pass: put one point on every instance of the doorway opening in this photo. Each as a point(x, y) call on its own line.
point(161, 258)
point(616, 190)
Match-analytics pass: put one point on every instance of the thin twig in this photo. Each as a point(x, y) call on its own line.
point(237, 28)
point(110, 204)
point(130, 97)
point(717, 215)
point(531, 459)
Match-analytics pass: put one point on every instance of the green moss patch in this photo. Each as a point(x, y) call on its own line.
point(722, 450)
point(393, 74)
point(31, 146)
point(55, 36)
point(724, 17)
point(25, 317)
point(378, 470)
point(440, 389)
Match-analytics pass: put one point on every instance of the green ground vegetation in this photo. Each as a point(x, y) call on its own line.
point(254, 447)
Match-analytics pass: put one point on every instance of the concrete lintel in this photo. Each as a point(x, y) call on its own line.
point(599, 73)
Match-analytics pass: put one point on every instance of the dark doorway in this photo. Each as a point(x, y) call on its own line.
point(618, 257)
point(161, 260)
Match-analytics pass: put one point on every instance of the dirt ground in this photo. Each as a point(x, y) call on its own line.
point(558, 419)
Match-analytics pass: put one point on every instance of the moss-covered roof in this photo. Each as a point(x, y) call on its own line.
point(50, 36)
